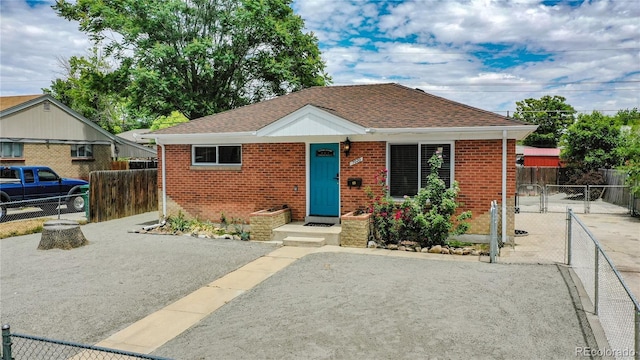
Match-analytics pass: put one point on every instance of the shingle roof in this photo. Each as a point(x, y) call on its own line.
point(11, 101)
point(376, 106)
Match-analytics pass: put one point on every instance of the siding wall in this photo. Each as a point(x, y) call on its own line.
point(270, 172)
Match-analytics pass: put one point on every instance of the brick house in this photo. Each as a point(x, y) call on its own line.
point(40, 130)
point(316, 149)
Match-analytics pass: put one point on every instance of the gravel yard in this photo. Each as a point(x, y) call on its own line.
point(347, 306)
point(323, 306)
point(85, 294)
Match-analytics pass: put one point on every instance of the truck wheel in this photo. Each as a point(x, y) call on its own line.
point(76, 203)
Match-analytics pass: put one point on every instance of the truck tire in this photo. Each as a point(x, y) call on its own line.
point(3, 212)
point(76, 203)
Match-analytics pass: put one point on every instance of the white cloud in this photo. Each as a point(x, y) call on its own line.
point(431, 44)
point(32, 40)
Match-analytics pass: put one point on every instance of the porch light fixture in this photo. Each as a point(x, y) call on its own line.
point(346, 147)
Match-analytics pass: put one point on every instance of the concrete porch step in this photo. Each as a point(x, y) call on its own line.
point(331, 235)
point(303, 241)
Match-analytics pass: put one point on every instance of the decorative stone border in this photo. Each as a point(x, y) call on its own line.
point(355, 229)
point(264, 221)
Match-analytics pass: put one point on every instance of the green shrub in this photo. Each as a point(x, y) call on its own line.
point(427, 218)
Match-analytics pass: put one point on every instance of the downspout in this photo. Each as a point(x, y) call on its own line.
point(164, 183)
point(504, 186)
point(164, 195)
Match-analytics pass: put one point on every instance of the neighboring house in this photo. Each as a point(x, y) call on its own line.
point(134, 136)
point(292, 150)
point(40, 130)
point(539, 157)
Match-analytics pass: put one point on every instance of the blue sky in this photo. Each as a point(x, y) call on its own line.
point(484, 53)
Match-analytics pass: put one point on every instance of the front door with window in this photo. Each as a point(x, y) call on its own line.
point(324, 180)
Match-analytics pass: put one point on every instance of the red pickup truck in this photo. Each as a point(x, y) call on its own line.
point(40, 184)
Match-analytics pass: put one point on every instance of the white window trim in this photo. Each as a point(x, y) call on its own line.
point(419, 144)
point(11, 156)
point(215, 164)
point(84, 156)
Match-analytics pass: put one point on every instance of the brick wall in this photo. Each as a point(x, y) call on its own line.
point(266, 179)
point(270, 172)
point(58, 157)
point(479, 174)
point(373, 161)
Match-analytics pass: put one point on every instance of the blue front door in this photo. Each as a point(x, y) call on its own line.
point(324, 180)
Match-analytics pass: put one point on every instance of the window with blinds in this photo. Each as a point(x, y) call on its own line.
point(409, 166)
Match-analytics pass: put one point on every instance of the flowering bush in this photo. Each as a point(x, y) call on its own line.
point(427, 218)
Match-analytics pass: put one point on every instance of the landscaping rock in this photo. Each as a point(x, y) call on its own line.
point(392, 247)
point(457, 251)
point(402, 248)
point(425, 250)
point(372, 245)
point(436, 249)
point(445, 251)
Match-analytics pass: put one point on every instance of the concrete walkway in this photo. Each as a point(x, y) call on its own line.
point(161, 326)
point(156, 329)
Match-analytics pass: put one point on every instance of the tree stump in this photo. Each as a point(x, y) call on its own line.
point(61, 234)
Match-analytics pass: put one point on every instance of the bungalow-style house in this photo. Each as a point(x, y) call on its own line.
point(316, 150)
point(40, 130)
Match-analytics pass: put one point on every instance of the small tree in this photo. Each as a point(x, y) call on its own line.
point(550, 113)
point(426, 218)
point(162, 122)
point(591, 143)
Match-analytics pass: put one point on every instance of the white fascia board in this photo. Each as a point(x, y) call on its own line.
point(517, 132)
point(310, 121)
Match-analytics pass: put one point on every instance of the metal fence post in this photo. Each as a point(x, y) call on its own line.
point(6, 342)
point(637, 335)
point(569, 214)
point(595, 280)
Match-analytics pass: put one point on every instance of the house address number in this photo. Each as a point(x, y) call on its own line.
point(355, 161)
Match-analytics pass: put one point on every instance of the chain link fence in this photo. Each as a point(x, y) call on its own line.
point(612, 300)
point(19, 346)
point(72, 207)
point(596, 199)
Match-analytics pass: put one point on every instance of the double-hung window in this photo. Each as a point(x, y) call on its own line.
point(11, 149)
point(409, 166)
point(216, 155)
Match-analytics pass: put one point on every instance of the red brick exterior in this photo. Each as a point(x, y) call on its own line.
point(270, 173)
point(266, 179)
point(373, 161)
point(478, 171)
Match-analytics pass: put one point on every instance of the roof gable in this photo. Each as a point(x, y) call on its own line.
point(311, 121)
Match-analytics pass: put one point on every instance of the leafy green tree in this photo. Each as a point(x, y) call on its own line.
point(628, 117)
point(174, 118)
point(591, 143)
point(200, 56)
point(552, 115)
point(629, 149)
point(82, 88)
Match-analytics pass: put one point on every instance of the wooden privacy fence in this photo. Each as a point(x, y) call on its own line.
point(537, 175)
point(121, 193)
